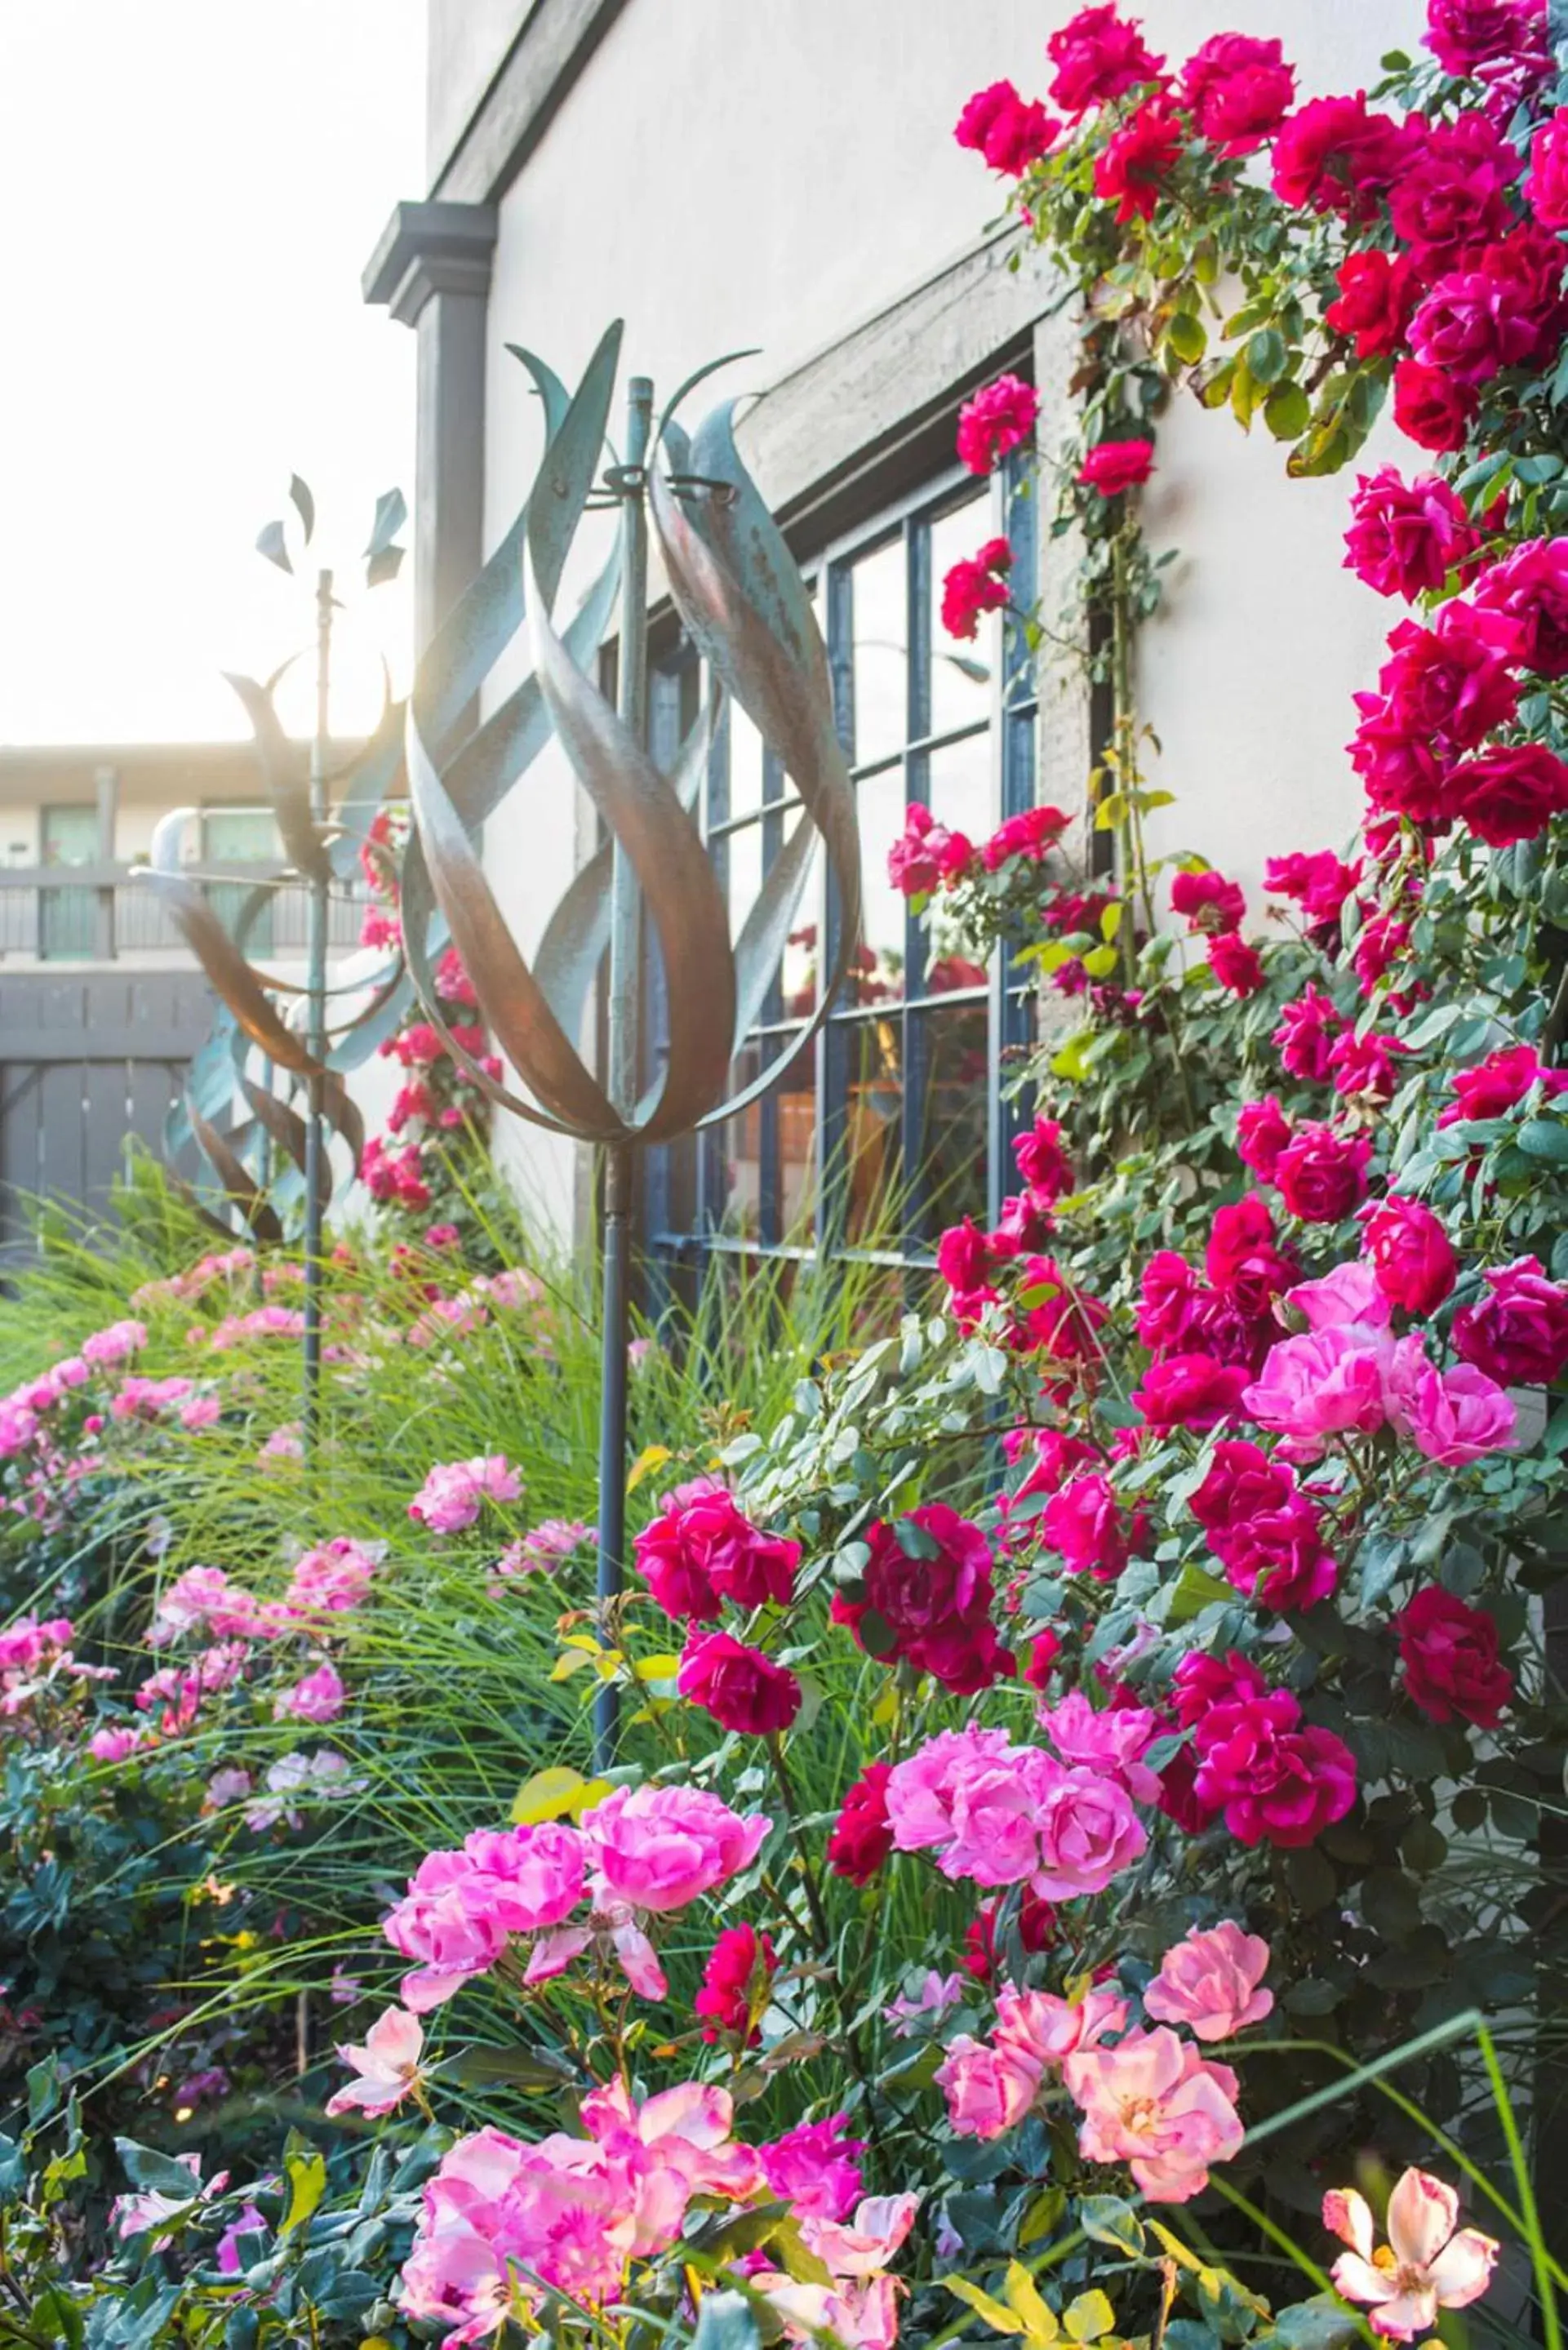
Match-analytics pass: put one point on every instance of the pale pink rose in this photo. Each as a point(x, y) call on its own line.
point(920, 1793)
point(660, 1847)
point(113, 1345)
point(1210, 1981)
point(386, 2065)
point(456, 1491)
point(1155, 2104)
point(1427, 2265)
point(201, 1412)
point(318, 1697)
point(332, 1579)
point(140, 2215)
point(230, 1785)
point(1110, 1740)
point(989, 2089)
point(1349, 1294)
point(936, 1994)
point(114, 1746)
point(1088, 1833)
point(1050, 2028)
point(861, 2307)
point(441, 1922)
point(685, 2130)
point(996, 1810)
point(1321, 1385)
point(1453, 1417)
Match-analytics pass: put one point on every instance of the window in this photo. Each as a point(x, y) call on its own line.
point(67, 917)
point(892, 1124)
point(239, 835)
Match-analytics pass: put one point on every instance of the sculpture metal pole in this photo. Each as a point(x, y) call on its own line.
point(316, 1016)
point(623, 1046)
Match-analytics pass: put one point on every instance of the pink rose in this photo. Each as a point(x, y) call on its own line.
point(456, 1491)
point(1190, 1391)
point(1155, 2104)
point(1546, 188)
point(660, 1847)
point(1210, 1981)
point(1323, 1385)
point(920, 1793)
point(1110, 1740)
point(386, 2067)
point(996, 420)
point(1048, 2029)
point(1453, 1417)
point(989, 2089)
point(1518, 1333)
point(1088, 1835)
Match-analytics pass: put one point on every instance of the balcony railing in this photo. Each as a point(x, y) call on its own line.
point(96, 913)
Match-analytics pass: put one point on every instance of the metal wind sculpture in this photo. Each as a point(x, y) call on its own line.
point(741, 599)
point(231, 1110)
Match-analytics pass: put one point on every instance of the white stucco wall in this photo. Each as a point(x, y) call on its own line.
point(725, 176)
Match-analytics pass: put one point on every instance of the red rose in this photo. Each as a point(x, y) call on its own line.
point(861, 1838)
point(1431, 407)
point(1511, 791)
point(1043, 1651)
point(1132, 169)
point(1009, 132)
point(1410, 1254)
point(1208, 900)
point(1365, 1066)
point(985, 1943)
point(1243, 1481)
point(740, 1966)
point(1321, 1175)
point(1332, 155)
point(1236, 965)
point(926, 855)
point(1377, 296)
point(742, 1689)
point(1453, 681)
point(975, 585)
point(1111, 466)
point(1407, 536)
point(1058, 1320)
point(1237, 90)
point(1191, 1392)
point(1262, 1131)
point(1043, 1163)
point(1546, 188)
point(1022, 1227)
point(1499, 1083)
point(1029, 834)
point(1083, 1524)
point(1168, 1290)
point(967, 1262)
point(1306, 1033)
point(933, 1611)
point(1243, 1257)
point(1449, 1653)
point(1177, 1797)
point(1098, 55)
point(705, 1549)
point(1518, 1334)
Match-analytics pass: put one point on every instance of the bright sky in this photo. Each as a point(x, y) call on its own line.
point(191, 189)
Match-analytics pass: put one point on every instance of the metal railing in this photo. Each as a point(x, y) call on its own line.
point(96, 913)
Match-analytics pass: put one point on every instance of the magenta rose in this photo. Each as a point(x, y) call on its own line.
point(1451, 196)
point(1243, 1257)
point(1190, 1391)
point(1377, 296)
point(1454, 680)
point(1410, 1252)
point(1499, 1083)
point(935, 1609)
point(1518, 1333)
point(1430, 406)
point(1098, 55)
point(1275, 1780)
point(998, 419)
point(1333, 155)
point(742, 1689)
point(1044, 1163)
point(1449, 1655)
point(1238, 967)
point(1262, 1131)
point(1511, 791)
point(1009, 132)
point(1546, 188)
point(1305, 1035)
point(1238, 91)
point(1530, 586)
point(1465, 36)
point(1407, 536)
point(1321, 1175)
point(1084, 1524)
point(1137, 160)
point(1207, 900)
point(1472, 325)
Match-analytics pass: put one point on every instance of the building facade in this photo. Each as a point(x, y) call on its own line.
point(785, 181)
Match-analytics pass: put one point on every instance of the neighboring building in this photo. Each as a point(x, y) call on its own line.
point(785, 177)
point(102, 1004)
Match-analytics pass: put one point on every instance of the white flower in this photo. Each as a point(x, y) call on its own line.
point(1425, 2266)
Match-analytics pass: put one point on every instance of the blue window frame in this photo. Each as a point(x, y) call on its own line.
point(892, 1123)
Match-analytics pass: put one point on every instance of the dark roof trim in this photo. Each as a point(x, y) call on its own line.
point(548, 51)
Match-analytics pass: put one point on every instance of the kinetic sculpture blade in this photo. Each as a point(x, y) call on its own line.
point(741, 599)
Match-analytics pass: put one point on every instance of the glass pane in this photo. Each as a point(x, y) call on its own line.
point(880, 976)
point(745, 763)
point(239, 836)
point(744, 851)
point(799, 969)
point(740, 1156)
point(70, 836)
point(960, 670)
point(873, 1152)
point(881, 652)
point(961, 798)
point(953, 1127)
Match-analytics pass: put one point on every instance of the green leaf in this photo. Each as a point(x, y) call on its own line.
point(43, 2089)
point(1196, 1589)
point(1000, 2319)
point(271, 542)
point(1109, 2221)
point(155, 2173)
point(1544, 1137)
point(1287, 412)
point(1088, 2316)
point(528, 2068)
point(391, 513)
point(1267, 354)
point(725, 2322)
point(304, 504)
point(1187, 337)
point(1320, 2323)
point(1311, 1878)
point(1391, 1904)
